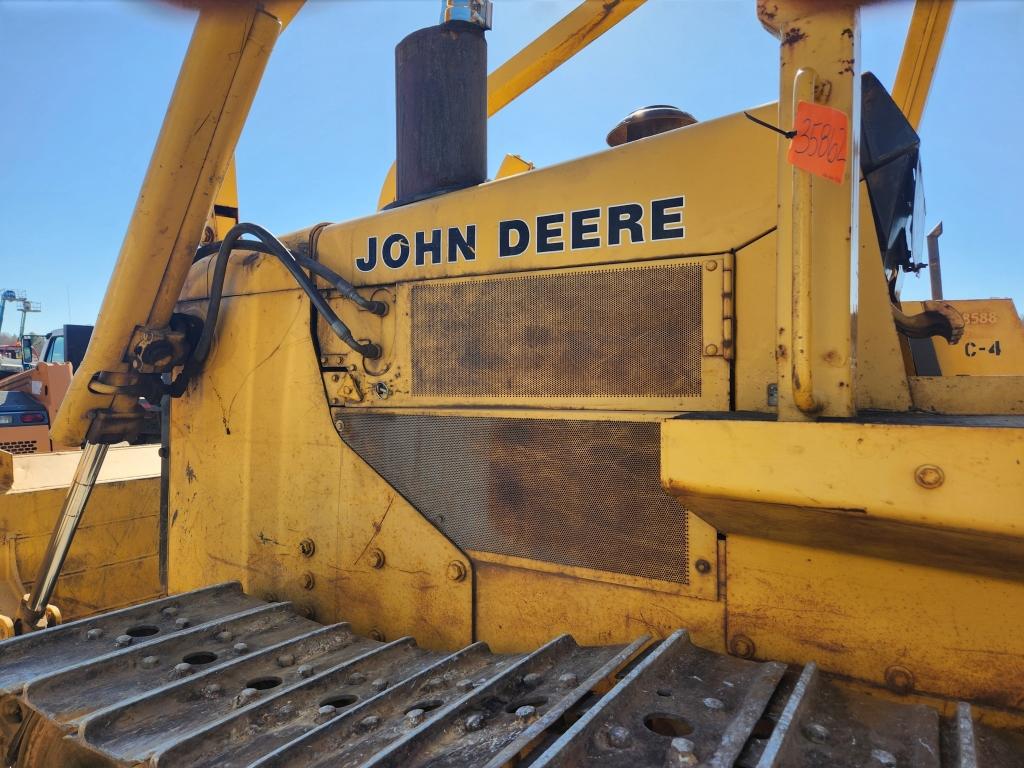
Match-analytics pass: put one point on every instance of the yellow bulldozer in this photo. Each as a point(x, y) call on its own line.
point(625, 461)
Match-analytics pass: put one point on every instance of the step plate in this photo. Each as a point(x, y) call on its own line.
point(217, 678)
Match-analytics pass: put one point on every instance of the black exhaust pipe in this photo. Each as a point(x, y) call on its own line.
point(441, 88)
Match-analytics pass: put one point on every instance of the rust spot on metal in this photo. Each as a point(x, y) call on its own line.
point(766, 14)
point(827, 647)
point(794, 36)
point(742, 646)
point(585, 32)
point(377, 526)
point(264, 539)
point(929, 476)
point(377, 559)
point(190, 474)
point(899, 679)
point(456, 571)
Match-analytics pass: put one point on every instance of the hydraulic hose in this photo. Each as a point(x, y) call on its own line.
point(270, 245)
point(340, 284)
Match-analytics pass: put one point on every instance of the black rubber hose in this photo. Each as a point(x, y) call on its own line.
point(274, 247)
point(242, 245)
point(341, 285)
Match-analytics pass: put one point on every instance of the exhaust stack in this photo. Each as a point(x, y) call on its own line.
point(441, 88)
point(934, 267)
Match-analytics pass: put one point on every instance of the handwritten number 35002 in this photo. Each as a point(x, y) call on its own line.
point(820, 140)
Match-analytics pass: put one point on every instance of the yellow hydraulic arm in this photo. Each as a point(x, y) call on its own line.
point(920, 56)
point(218, 80)
point(215, 88)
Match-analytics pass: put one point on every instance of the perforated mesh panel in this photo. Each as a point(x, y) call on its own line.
point(19, 446)
point(623, 332)
point(577, 493)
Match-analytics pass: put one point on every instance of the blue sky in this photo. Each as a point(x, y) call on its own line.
point(85, 86)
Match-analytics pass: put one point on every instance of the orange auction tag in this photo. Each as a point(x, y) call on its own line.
point(819, 146)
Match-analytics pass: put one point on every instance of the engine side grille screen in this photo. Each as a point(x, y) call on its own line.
point(576, 493)
point(623, 332)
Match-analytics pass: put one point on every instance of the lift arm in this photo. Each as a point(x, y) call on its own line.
point(218, 80)
point(921, 52)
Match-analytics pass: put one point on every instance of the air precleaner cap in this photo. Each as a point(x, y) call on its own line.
point(649, 121)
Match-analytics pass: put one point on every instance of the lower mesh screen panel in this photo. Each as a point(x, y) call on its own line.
point(577, 493)
point(622, 332)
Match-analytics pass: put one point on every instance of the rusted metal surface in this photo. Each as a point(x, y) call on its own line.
point(29, 657)
point(133, 728)
point(541, 489)
point(498, 719)
point(70, 694)
point(560, 335)
point(823, 724)
point(681, 706)
point(215, 678)
point(360, 733)
point(977, 746)
point(246, 736)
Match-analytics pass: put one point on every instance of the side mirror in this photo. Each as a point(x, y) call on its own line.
point(26, 352)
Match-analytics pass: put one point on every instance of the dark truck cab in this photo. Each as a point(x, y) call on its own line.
point(66, 344)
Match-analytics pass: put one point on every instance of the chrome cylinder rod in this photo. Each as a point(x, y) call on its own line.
point(34, 605)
